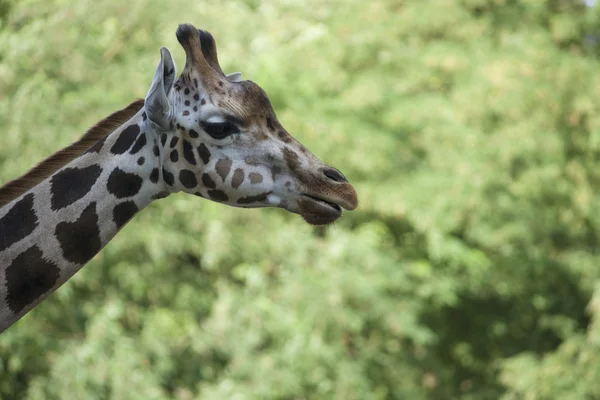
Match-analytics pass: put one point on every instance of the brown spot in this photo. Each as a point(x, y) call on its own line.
point(223, 167)
point(18, 223)
point(255, 177)
point(160, 195)
point(275, 171)
point(203, 102)
point(270, 124)
point(253, 199)
point(204, 153)
point(123, 212)
point(28, 277)
point(125, 139)
point(291, 158)
point(208, 182)
point(80, 240)
point(284, 136)
point(72, 184)
point(185, 113)
point(217, 195)
point(238, 178)
point(188, 178)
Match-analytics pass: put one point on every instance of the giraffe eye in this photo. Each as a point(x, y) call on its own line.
point(220, 130)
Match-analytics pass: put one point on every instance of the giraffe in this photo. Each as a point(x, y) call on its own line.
point(212, 135)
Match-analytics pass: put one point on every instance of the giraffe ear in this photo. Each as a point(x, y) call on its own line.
point(157, 102)
point(234, 77)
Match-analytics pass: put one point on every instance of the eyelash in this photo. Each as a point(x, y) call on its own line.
point(219, 130)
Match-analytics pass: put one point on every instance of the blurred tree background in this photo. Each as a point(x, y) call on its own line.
point(471, 129)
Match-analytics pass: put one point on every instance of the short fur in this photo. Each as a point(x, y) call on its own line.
point(43, 170)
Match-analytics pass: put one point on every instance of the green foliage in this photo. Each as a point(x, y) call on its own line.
point(471, 129)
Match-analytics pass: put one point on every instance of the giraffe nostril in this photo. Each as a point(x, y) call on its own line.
point(334, 175)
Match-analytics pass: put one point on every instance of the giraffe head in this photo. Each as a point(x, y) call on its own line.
point(220, 139)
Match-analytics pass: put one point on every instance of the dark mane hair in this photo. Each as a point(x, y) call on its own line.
point(37, 174)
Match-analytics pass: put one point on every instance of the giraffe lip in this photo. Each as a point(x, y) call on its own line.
point(317, 211)
point(335, 206)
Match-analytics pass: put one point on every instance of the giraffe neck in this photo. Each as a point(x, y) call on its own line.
point(50, 232)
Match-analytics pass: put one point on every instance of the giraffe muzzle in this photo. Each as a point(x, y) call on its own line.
point(322, 209)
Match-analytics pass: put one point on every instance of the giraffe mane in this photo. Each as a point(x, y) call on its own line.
point(44, 169)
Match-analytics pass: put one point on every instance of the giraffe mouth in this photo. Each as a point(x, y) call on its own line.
point(336, 207)
point(317, 211)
